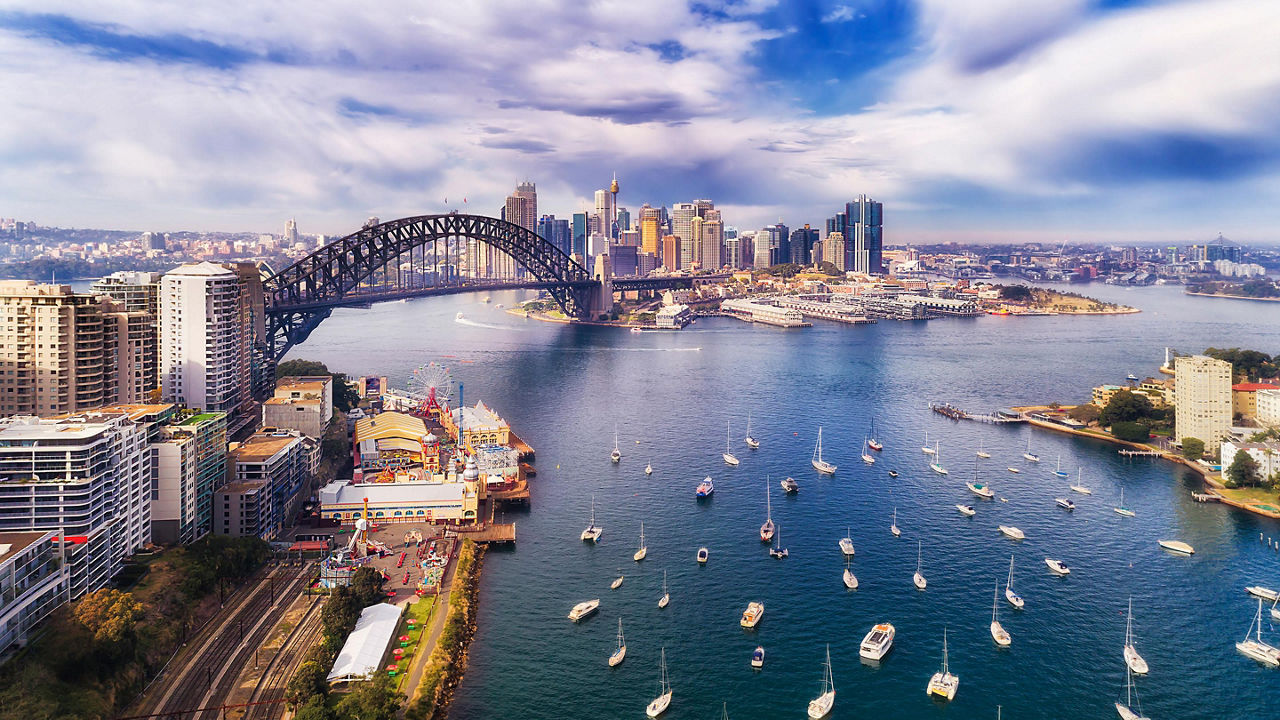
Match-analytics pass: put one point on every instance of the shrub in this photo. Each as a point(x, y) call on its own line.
point(1131, 431)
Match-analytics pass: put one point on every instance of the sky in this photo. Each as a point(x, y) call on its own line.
point(971, 120)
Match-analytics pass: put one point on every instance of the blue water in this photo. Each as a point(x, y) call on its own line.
point(563, 388)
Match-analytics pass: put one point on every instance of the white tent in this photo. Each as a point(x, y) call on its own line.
point(367, 644)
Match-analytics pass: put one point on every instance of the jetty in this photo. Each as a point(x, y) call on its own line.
point(998, 417)
point(1141, 453)
point(1206, 497)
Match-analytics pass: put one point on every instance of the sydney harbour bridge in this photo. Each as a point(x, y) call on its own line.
point(436, 255)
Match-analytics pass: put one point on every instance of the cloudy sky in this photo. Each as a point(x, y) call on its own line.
point(970, 119)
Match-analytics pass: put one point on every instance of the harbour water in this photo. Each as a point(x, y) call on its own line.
point(670, 395)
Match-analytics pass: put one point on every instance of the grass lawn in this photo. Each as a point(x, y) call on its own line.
point(422, 612)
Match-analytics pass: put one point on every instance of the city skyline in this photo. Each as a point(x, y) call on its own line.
point(992, 123)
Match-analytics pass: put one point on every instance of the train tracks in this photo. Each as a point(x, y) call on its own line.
point(266, 701)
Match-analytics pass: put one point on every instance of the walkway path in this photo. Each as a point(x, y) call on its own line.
point(432, 635)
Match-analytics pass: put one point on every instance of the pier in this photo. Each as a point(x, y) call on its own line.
point(1206, 497)
point(1141, 453)
point(848, 314)
point(999, 417)
point(504, 533)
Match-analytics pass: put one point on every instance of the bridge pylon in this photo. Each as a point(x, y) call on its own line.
point(600, 301)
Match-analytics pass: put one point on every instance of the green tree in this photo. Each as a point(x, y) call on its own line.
point(1016, 293)
point(1086, 413)
point(1244, 470)
point(1131, 431)
point(366, 586)
point(1125, 406)
point(110, 615)
point(314, 709)
point(829, 268)
point(376, 699)
point(1246, 364)
point(1192, 448)
point(309, 681)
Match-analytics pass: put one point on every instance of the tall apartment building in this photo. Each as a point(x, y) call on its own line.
point(188, 462)
point(52, 354)
point(86, 477)
point(527, 211)
point(711, 245)
point(604, 211)
point(671, 252)
point(682, 215)
point(650, 230)
point(131, 348)
point(833, 251)
point(33, 582)
point(271, 476)
point(1202, 399)
point(139, 291)
point(302, 403)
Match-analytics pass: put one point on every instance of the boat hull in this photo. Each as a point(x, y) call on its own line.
point(1178, 547)
point(850, 580)
point(877, 643)
point(618, 656)
point(658, 706)
point(1000, 635)
point(1135, 661)
point(919, 581)
point(1261, 652)
point(943, 686)
point(1014, 598)
point(823, 467)
point(820, 706)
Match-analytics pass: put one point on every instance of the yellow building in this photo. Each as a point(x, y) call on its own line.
point(481, 426)
point(1103, 394)
point(396, 440)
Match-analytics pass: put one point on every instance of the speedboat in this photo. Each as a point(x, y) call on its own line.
point(893, 473)
point(1012, 532)
point(583, 609)
point(877, 643)
point(967, 510)
point(1263, 592)
point(751, 616)
point(757, 657)
point(703, 554)
point(1177, 546)
point(1057, 566)
point(1065, 503)
point(943, 684)
point(705, 488)
point(846, 543)
point(1254, 647)
point(790, 486)
point(1014, 470)
point(981, 490)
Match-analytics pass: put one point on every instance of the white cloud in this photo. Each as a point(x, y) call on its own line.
point(838, 14)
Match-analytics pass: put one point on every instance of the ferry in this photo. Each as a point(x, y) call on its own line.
point(751, 616)
point(583, 609)
point(705, 488)
point(878, 642)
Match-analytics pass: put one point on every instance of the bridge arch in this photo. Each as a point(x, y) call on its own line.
point(300, 296)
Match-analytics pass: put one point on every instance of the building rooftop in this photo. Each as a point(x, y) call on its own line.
point(263, 446)
point(342, 492)
point(1254, 387)
point(389, 425)
point(479, 416)
point(12, 543)
point(308, 400)
point(23, 428)
point(243, 486)
point(304, 383)
point(139, 411)
point(200, 418)
point(200, 269)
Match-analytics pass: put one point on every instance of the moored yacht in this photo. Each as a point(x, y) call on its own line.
point(751, 616)
point(893, 528)
point(757, 657)
point(867, 457)
point(872, 441)
point(1057, 566)
point(1059, 472)
point(619, 654)
point(818, 463)
point(981, 490)
point(1079, 486)
point(616, 455)
point(998, 633)
point(918, 578)
point(846, 543)
point(982, 453)
point(1030, 455)
point(1121, 509)
point(1254, 647)
point(777, 550)
point(583, 609)
point(705, 488)
point(966, 510)
point(750, 439)
point(1013, 532)
point(666, 596)
point(593, 531)
point(820, 706)
point(1014, 598)
point(1177, 546)
point(729, 457)
point(850, 580)
point(703, 555)
point(925, 448)
point(790, 486)
point(644, 549)
point(766, 530)
point(943, 684)
point(1065, 503)
point(659, 704)
point(936, 465)
point(1131, 656)
point(1263, 592)
point(877, 643)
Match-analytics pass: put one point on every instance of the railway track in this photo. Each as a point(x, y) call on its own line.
point(271, 686)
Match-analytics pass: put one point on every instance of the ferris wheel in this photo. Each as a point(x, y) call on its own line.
point(434, 384)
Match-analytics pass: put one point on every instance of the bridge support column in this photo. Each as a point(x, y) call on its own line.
point(600, 301)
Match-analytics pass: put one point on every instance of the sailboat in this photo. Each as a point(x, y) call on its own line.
point(621, 653)
point(777, 550)
point(644, 549)
point(766, 530)
point(818, 463)
point(1059, 471)
point(749, 439)
point(1131, 656)
point(998, 633)
point(617, 582)
point(943, 684)
point(616, 455)
point(729, 458)
point(648, 468)
point(926, 449)
point(918, 578)
point(982, 453)
point(666, 596)
point(1014, 598)
point(1254, 647)
point(1275, 611)
point(820, 706)
point(982, 490)
point(893, 528)
point(866, 451)
point(850, 580)
point(1125, 709)
point(593, 531)
point(1079, 486)
point(1121, 509)
point(660, 703)
point(872, 442)
point(936, 465)
point(846, 542)
point(1030, 455)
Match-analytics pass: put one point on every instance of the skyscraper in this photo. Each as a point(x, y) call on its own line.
point(604, 210)
point(556, 232)
point(1202, 400)
point(59, 362)
point(522, 206)
point(291, 231)
point(802, 241)
point(682, 215)
point(203, 363)
point(866, 235)
point(712, 241)
point(834, 251)
point(580, 230)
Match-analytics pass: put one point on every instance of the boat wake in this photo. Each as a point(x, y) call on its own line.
point(487, 326)
point(693, 349)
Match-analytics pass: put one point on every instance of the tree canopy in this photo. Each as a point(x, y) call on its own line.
point(110, 615)
point(1125, 406)
point(1192, 448)
point(1244, 470)
point(375, 699)
point(1247, 364)
point(345, 396)
point(1016, 293)
point(1131, 431)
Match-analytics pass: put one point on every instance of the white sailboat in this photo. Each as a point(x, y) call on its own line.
point(982, 453)
point(926, 449)
point(998, 633)
point(1059, 472)
point(1254, 647)
point(620, 653)
point(659, 704)
point(867, 457)
point(644, 549)
point(936, 465)
point(766, 530)
point(1121, 509)
point(918, 578)
point(729, 458)
point(593, 531)
point(818, 463)
point(846, 542)
point(616, 455)
point(1079, 486)
point(894, 527)
point(617, 582)
point(1014, 598)
point(666, 596)
point(1131, 656)
point(750, 439)
point(1125, 709)
point(873, 442)
point(648, 468)
point(1030, 455)
point(850, 580)
point(820, 706)
point(943, 684)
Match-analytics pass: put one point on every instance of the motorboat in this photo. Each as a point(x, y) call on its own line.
point(1121, 509)
point(766, 530)
point(981, 490)
point(659, 705)
point(1079, 486)
point(666, 596)
point(593, 531)
point(893, 473)
point(644, 549)
point(1065, 503)
point(458, 316)
point(966, 510)
point(1014, 598)
point(705, 489)
point(583, 609)
point(636, 329)
point(790, 486)
point(846, 543)
point(1263, 592)
point(757, 657)
point(818, 463)
point(1013, 532)
point(850, 580)
point(1254, 647)
point(729, 458)
point(877, 643)
point(1131, 656)
point(619, 654)
point(1013, 470)
point(1030, 455)
point(918, 578)
point(750, 439)
point(1177, 546)
point(943, 684)
point(1057, 566)
point(998, 633)
point(893, 528)
point(751, 616)
point(820, 706)
point(703, 555)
